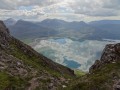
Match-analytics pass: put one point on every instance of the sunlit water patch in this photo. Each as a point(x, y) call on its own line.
point(73, 54)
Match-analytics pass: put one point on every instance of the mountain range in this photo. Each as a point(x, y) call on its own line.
point(24, 29)
point(103, 29)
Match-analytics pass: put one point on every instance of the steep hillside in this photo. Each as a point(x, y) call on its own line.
point(22, 68)
point(104, 74)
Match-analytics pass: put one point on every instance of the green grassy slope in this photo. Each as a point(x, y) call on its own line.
point(101, 79)
point(22, 68)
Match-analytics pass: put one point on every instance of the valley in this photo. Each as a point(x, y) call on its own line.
point(59, 44)
point(71, 53)
point(73, 44)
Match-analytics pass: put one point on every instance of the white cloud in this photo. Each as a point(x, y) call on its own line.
point(79, 9)
point(95, 7)
point(15, 4)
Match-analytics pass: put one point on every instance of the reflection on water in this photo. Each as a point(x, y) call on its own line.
point(60, 40)
point(71, 63)
point(74, 54)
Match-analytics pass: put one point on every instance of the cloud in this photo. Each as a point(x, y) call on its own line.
point(7, 4)
point(78, 9)
point(15, 4)
point(112, 4)
point(96, 7)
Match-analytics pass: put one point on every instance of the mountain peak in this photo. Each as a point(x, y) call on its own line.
point(10, 22)
point(82, 22)
point(10, 19)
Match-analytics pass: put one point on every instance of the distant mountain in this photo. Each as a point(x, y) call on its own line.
point(58, 24)
point(49, 28)
point(103, 29)
point(52, 23)
point(10, 22)
point(109, 29)
point(22, 68)
point(103, 22)
point(68, 29)
point(25, 29)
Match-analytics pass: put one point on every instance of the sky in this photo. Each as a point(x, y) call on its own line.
point(70, 10)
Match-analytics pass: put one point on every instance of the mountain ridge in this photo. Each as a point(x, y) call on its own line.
point(23, 68)
point(10, 22)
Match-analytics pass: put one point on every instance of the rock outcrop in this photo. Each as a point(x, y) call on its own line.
point(111, 54)
point(22, 68)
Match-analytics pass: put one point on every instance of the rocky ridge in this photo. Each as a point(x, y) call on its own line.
point(111, 54)
point(22, 68)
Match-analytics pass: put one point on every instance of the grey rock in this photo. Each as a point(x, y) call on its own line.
point(111, 54)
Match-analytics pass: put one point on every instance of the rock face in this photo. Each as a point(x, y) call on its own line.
point(22, 68)
point(111, 54)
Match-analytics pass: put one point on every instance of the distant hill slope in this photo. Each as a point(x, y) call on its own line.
point(103, 22)
point(10, 22)
point(104, 74)
point(52, 23)
point(109, 29)
point(68, 29)
point(24, 29)
point(22, 68)
point(49, 28)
